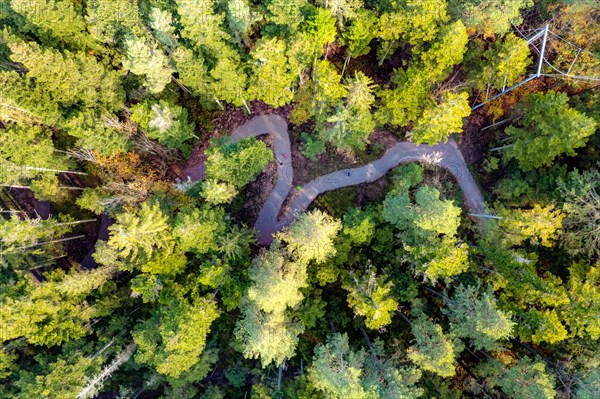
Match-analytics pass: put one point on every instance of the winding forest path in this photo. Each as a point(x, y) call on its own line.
point(446, 155)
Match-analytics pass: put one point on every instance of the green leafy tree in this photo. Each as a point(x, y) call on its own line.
point(415, 22)
point(548, 128)
point(161, 22)
point(57, 310)
point(539, 224)
point(445, 52)
point(276, 281)
point(173, 339)
point(216, 192)
point(309, 43)
point(28, 154)
point(229, 79)
point(98, 131)
point(476, 316)
point(239, 163)
point(584, 293)
point(25, 102)
point(440, 121)
point(194, 75)
point(406, 100)
point(361, 32)
point(286, 13)
point(240, 18)
point(166, 122)
point(489, 18)
point(311, 236)
point(504, 63)
point(197, 230)
point(201, 24)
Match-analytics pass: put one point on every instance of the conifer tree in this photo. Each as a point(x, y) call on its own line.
point(311, 236)
point(548, 128)
point(173, 339)
point(271, 79)
point(370, 296)
point(146, 58)
point(476, 316)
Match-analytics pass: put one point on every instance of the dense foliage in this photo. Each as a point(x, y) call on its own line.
point(390, 290)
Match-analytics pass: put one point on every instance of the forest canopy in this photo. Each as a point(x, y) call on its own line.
point(357, 199)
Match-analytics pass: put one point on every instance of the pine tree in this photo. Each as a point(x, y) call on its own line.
point(52, 19)
point(549, 127)
point(271, 79)
point(476, 316)
point(165, 121)
point(524, 380)
point(140, 234)
point(145, 58)
point(340, 372)
point(311, 236)
point(342, 10)
point(490, 18)
point(370, 296)
point(173, 339)
point(580, 193)
point(433, 350)
point(441, 120)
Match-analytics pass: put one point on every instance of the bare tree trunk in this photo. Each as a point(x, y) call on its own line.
point(51, 242)
point(364, 333)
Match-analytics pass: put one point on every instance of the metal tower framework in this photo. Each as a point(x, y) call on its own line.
point(542, 34)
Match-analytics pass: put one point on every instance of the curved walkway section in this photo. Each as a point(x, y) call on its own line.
point(446, 155)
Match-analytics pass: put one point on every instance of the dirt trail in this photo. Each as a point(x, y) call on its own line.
point(446, 155)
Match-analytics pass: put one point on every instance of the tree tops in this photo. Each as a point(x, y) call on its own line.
point(548, 128)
